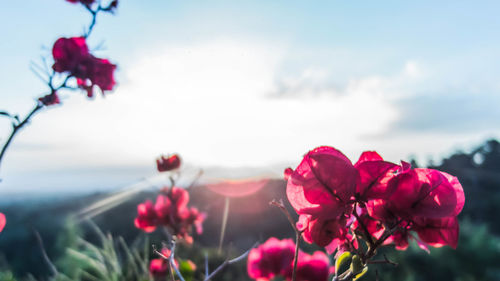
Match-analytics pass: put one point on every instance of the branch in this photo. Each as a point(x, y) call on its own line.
point(229, 262)
point(298, 234)
point(170, 259)
point(17, 127)
point(363, 226)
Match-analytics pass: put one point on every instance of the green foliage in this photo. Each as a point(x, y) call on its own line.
point(112, 260)
point(476, 258)
point(7, 276)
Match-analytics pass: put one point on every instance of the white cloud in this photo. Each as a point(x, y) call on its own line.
point(211, 103)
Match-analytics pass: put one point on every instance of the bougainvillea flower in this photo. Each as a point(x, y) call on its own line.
point(72, 55)
point(339, 246)
point(459, 191)
point(271, 259)
point(321, 231)
point(95, 72)
point(3, 221)
point(50, 99)
point(322, 184)
point(170, 210)
point(437, 232)
point(399, 238)
point(375, 174)
point(164, 164)
point(101, 73)
point(368, 224)
point(425, 193)
point(379, 210)
point(315, 267)
point(146, 217)
point(196, 218)
point(159, 268)
point(69, 53)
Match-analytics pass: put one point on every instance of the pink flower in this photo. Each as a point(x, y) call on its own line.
point(159, 268)
point(3, 221)
point(169, 163)
point(375, 174)
point(146, 217)
point(315, 267)
point(170, 210)
point(437, 232)
point(50, 99)
point(271, 259)
point(101, 74)
point(426, 193)
point(72, 55)
point(323, 231)
point(69, 53)
point(323, 183)
point(96, 71)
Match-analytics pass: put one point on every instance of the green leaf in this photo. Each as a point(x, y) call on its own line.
point(361, 274)
point(343, 259)
point(356, 265)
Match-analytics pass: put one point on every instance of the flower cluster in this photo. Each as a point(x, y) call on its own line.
point(276, 258)
point(170, 210)
point(374, 199)
point(72, 55)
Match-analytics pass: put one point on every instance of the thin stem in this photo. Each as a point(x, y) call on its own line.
point(296, 255)
point(17, 127)
point(229, 262)
point(93, 21)
point(170, 259)
point(363, 226)
point(298, 233)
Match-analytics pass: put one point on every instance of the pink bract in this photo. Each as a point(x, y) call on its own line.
point(425, 193)
point(3, 221)
point(164, 164)
point(146, 217)
point(438, 232)
point(271, 259)
point(315, 267)
point(322, 184)
point(375, 174)
point(321, 231)
point(69, 53)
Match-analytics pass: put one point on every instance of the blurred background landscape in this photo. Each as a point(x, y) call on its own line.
point(251, 219)
point(243, 90)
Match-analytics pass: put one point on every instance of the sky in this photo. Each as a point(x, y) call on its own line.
point(246, 87)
